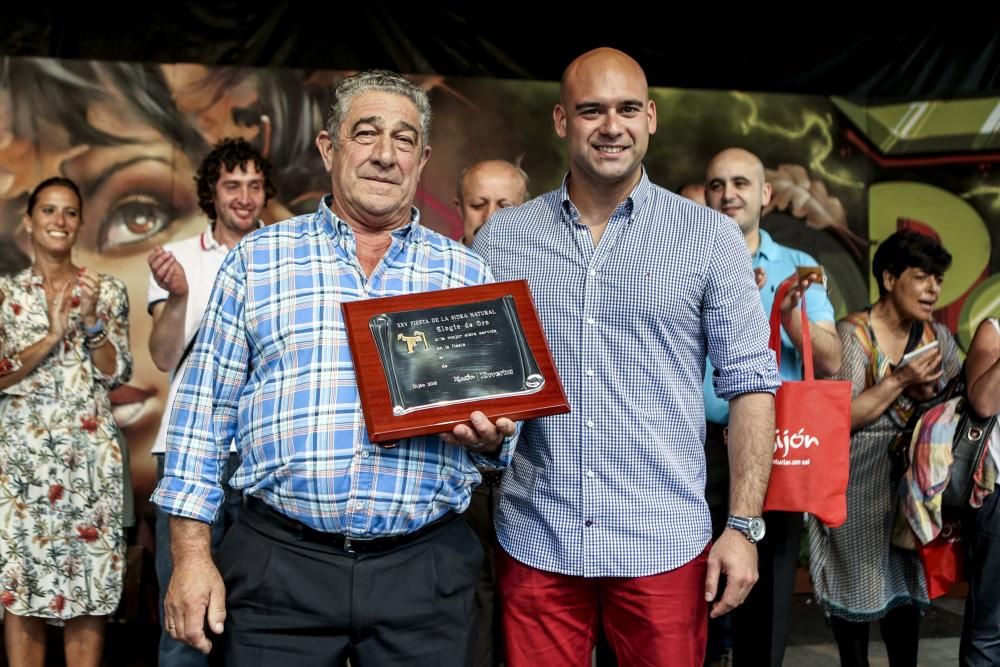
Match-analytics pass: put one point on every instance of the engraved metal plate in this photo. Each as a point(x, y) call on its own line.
point(453, 354)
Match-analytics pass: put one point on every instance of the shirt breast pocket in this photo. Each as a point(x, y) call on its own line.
point(287, 321)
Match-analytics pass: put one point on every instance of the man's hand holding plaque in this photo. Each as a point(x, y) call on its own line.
point(483, 437)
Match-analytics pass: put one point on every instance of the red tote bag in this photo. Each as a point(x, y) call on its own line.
point(943, 559)
point(812, 436)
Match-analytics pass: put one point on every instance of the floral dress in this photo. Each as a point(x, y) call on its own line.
point(62, 546)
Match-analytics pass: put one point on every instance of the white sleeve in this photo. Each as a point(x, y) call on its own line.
point(154, 294)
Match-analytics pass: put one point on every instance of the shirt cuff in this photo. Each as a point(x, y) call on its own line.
point(191, 500)
point(499, 459)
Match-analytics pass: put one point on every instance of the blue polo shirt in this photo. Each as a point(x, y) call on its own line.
point(779, 262)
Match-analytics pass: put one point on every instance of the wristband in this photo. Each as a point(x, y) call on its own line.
point(96, 330)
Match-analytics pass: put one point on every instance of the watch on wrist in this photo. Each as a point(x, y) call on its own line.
point(751, 526)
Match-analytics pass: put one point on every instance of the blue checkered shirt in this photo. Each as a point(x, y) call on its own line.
point(272, 368)
point(616, 488)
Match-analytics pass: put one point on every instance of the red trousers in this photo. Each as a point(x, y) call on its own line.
point(551, 619)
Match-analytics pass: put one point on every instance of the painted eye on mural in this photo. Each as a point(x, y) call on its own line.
point(134, 220)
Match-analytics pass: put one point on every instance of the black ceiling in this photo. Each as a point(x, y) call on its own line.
point(818, 54)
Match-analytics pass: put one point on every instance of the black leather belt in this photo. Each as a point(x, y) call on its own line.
point(491, 477)
point(349, 544)
point(715, 432)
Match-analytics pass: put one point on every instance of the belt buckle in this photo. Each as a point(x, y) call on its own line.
point(349, 543)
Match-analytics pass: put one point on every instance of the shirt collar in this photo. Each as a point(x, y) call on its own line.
point(208, 242)
point(767, 246)
point(634, 202)
point(335, 227)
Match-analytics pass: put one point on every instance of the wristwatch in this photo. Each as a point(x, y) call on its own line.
point(751, 526)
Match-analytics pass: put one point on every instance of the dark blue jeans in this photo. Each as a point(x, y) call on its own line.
point(173, 653)
point(981, 629)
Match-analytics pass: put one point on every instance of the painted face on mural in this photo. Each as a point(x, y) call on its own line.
point(130, 136)
point(606, 117)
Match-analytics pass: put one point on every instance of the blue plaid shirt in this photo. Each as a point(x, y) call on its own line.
point(616, 488)
point(272, 368)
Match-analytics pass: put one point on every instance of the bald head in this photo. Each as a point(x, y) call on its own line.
point(485, 187)
point(737, 156)
point(597, 67)
point(606, 117)
point(736, 185)
point(693, 191)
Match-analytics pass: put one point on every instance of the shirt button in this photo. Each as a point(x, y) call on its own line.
point(590, 372)
point(591, 474)
point(590, 320)
point(590, 423)
point(364, 454)
point(592, 272)
point(588, 523)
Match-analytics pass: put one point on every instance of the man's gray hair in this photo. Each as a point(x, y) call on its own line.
point(377, 80)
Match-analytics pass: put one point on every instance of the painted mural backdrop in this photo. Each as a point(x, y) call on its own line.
point(843, 172)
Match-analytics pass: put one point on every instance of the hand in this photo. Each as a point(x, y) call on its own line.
point(196, 593)
point(484, 436)
point(168, 272)
point(59, 312)
point(794, 296)
point(88, 285)
point(734, 556)
point(923, 370)
point(760, 277)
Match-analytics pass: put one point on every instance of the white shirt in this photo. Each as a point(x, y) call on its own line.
point(200, 256)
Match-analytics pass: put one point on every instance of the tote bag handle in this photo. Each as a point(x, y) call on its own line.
point(775, 341)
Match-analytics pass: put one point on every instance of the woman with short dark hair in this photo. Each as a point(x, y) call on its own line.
point(858, 575)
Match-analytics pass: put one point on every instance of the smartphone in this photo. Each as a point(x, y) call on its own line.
point(919, 352)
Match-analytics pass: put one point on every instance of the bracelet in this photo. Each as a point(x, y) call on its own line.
point(96, 330)
point(94, 342)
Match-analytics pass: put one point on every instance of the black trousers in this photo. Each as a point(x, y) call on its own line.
point(292, 601)
point(900, 631)
point(981, 626)
point(760, 625)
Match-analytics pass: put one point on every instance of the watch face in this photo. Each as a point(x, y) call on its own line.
point(756, 529)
